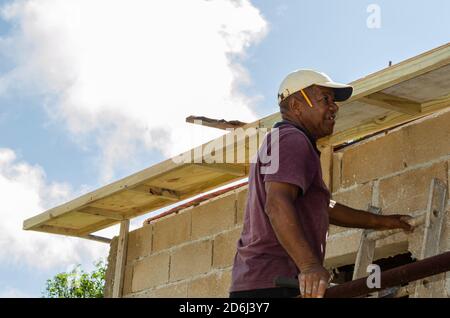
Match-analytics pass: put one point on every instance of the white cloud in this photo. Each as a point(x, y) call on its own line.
point(25, 192)
point(127, 73)
point(12, 292)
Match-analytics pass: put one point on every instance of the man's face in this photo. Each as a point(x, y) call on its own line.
point(319, 119)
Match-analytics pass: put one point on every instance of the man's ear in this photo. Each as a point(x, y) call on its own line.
point(295, 106)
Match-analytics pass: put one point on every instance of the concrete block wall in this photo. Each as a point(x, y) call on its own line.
point(392, 171)
point(186, 254)
point(190, 253)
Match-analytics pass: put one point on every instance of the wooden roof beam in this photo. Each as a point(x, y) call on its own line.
point(113, 215)
point(391, 119)
point(214, 123)
point(167, 194)
point(121, 259)
point(391, 102)
point(72, 232)
point(232, 169)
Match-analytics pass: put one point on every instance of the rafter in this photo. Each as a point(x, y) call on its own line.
point(398, 104)
point(113, 215)
point(214, 123)
point(232, 169)
point(167, 194)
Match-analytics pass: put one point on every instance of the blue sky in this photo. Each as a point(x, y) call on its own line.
point(68, 96)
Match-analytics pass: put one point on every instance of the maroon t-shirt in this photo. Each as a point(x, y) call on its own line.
point(260, 258)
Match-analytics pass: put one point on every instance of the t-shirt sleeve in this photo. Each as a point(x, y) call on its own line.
point(297, 162)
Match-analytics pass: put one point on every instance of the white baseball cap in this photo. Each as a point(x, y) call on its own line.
point(301, 79)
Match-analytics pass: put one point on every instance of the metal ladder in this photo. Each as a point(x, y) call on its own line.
point(432, 219)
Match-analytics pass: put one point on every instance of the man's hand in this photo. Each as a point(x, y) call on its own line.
point(313, 281)
point(395, 221)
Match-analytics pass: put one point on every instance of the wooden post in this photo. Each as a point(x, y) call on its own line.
point(326, 161)
point(121, 259)
point(436, 208)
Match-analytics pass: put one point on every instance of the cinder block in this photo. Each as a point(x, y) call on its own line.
point(127, 280)
point(373, 159)
point(427, 139)
point(225, 248)
point(191, 260)
point(111, 267)
point(139, 243)
point(214, 216)
point(241, 203)
point(150, 272)
point(341, 249)
point(213, 285)
point(391, 246)
point(172, 291)
point(408, 192)
point(445, 236)
point(334, 229)
point(357, 198)
point(171, 231)
point(336, 172)
point(410, 145)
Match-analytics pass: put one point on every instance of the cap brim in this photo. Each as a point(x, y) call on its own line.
point(342, 92)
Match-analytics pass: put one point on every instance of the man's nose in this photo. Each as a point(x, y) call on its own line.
point(334, 107)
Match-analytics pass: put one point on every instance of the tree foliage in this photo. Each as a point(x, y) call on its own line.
point(77, 283)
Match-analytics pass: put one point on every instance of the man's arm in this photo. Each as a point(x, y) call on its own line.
point(345, 216)
point(280, 209)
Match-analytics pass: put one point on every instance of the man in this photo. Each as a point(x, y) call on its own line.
point(288, 211)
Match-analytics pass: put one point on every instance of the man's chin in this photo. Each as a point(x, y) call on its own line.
point(327, 132)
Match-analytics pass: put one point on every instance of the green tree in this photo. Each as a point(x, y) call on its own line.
point(77, 283)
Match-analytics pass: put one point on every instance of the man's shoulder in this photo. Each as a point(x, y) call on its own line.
point(289, 133)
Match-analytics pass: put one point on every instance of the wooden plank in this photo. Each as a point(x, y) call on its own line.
point(195, 190)
point(102, 212)
point(214, 123)
point(97, 238)
point(121, 258)
point(372, 126)
point(238, 170)
point(71, 232)
point(326, 161)
point(436, 212)
point(57, 230)
point(167, 194)
point(390, 102)
point(115, 187)
point(94, 227)
point(74, 220)
point(436, 82)
point(366, 250)
point(401, 72)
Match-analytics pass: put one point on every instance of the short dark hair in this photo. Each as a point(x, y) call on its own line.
point(284, 104)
